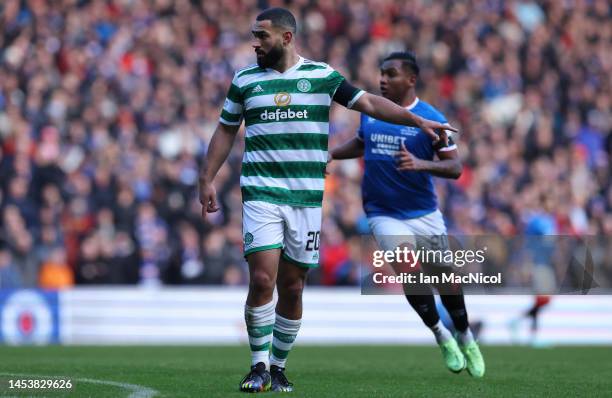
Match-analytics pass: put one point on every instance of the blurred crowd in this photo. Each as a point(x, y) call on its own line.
point(107, 108)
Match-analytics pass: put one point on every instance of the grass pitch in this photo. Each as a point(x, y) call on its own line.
point(344, 371)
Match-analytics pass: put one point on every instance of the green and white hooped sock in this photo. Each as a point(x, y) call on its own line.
point(259, 323)
point(285, 332)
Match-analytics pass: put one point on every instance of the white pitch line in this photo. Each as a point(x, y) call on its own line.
point(136, 390)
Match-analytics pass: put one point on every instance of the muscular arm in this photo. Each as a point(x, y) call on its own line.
point(352, 148)
point(448, 165)
point(218, 150)
point(383, 109)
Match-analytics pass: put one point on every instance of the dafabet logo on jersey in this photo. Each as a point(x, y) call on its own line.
point(283, 99)
point(283, 114)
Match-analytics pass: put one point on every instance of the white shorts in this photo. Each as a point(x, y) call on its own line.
point(428, 231)
point(295, 230)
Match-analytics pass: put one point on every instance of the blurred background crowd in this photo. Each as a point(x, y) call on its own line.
point(107, 108)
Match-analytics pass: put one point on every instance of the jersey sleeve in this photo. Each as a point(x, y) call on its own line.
point(342, 91)
point(440, 146)
point(232, 113)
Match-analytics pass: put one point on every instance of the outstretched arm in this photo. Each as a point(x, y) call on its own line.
point(383, 109)
point(218, 150)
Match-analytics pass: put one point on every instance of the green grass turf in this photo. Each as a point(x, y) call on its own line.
point(335, 371)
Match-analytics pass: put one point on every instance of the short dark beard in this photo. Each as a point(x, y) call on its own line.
point(271, 58)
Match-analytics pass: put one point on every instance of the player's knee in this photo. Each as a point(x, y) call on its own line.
point(261, 282)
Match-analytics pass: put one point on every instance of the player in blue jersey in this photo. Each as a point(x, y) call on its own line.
point(399, 201)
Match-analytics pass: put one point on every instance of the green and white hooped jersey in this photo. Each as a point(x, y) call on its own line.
point(287, 126)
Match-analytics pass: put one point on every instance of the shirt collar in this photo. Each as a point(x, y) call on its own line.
point(414, 103)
